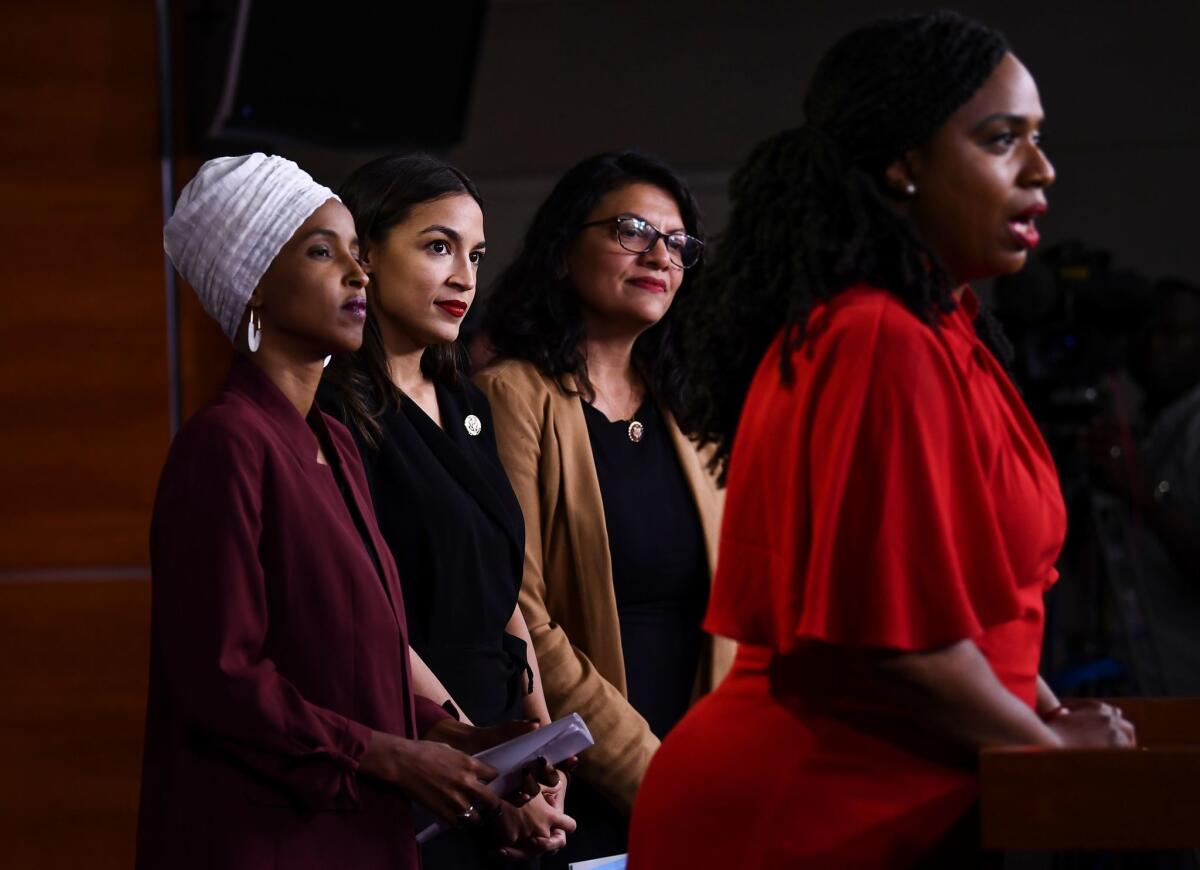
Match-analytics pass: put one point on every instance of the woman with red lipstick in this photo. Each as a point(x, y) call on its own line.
point(427, 443)
point(621, 516)
point(281, 724)
point(893, 516)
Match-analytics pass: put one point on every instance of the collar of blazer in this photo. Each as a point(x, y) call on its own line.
point(469, 458)
point(588, 532)
point(249, 382)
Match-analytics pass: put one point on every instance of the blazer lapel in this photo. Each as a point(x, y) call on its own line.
point(389, 580)
point(588, 534)
point(702, 486)
point(464, 457)
point(251, 382)
point(389, 577)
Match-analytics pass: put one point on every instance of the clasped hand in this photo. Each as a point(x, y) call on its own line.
point(1088, 723)
point(524, 823)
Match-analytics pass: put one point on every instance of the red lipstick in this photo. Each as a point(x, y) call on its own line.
point(453, 307)
point(651, 285)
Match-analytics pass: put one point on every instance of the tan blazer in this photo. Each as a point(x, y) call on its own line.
point(567, 590)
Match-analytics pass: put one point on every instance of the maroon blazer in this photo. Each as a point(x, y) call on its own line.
point(276, 647)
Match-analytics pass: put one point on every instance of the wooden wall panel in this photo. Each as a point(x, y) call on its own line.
point(83, 383)
point(84, 422)
point(73, 683)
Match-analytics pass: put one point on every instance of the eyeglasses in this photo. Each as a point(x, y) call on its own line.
point(637, 236)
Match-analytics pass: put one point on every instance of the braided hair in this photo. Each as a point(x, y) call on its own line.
point(811, 214)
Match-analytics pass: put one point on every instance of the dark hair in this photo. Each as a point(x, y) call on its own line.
point(811, 215)
point(533, 311)
point(380, 195)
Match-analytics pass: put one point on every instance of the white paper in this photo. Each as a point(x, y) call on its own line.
point(612, 862)
point(555, 742)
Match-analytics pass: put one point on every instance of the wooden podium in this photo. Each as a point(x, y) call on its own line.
point(1145, 798)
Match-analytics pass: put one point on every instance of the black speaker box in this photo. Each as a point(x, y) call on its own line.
point(350, 73)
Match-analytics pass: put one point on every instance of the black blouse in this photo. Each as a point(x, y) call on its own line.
point(659, 564)
point(454, 526)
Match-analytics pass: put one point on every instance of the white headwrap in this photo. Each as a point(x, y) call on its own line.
point(230, 223)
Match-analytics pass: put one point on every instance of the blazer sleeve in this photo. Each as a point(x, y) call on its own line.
point(428, 713)
point(362, 465)
point(209, 616)
point(624, 742)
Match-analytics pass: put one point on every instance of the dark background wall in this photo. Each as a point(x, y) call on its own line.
point(84, 386)
point(700, 82)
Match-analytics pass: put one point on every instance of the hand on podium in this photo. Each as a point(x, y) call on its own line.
point(1083, 723)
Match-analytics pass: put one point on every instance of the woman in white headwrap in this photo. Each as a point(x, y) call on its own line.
point(281, 730)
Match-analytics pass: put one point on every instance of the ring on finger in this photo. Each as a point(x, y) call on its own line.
point(466, 814)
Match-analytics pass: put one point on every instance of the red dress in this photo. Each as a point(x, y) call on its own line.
point(898, 495)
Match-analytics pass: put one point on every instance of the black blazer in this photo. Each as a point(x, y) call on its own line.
point(455, 528)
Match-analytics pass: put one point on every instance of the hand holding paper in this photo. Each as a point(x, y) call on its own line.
point(555, 742)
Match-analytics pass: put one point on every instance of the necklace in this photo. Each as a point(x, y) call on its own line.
point(635, 430)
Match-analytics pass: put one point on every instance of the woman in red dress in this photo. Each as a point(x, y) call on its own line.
point(893, 516)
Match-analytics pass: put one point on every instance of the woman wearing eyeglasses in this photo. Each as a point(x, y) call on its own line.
point(621, 517)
